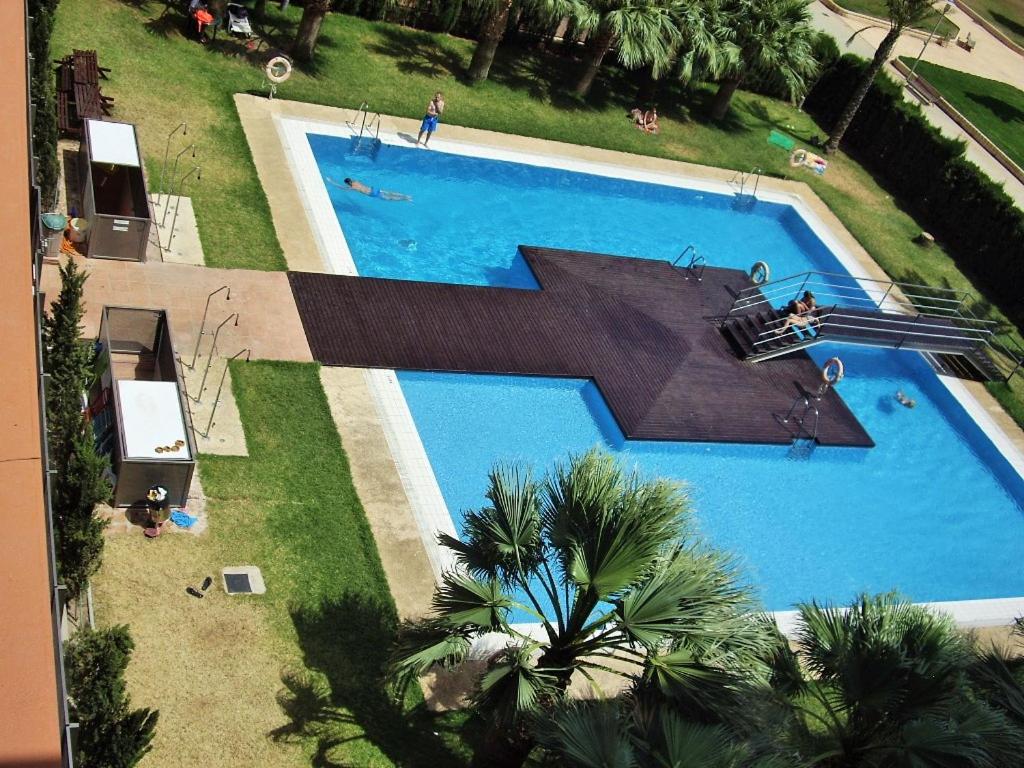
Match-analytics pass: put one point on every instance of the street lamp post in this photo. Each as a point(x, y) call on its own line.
point(945, 9)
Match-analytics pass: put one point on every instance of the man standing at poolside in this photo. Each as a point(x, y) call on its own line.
point(429, 125)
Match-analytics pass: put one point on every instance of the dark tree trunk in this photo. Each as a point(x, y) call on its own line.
point(259, 10)
point(723, 97)
point(650, 88)
point(309, 29)
point(491, 32)
point(850, 110)
point(500, 749)
point(595, 55)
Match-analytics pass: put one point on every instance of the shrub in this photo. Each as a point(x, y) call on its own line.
point(44, 127)
point(110, 733)
point(971, 215)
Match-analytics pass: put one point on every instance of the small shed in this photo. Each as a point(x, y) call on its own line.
point(137, 404)
point(114, 199)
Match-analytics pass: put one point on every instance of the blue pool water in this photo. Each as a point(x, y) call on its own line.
point(933, 510)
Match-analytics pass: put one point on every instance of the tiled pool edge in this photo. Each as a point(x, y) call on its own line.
point(968, 613)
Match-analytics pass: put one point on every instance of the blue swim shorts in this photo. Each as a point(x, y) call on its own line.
point(429, 124)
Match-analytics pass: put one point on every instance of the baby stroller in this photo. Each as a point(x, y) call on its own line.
point(238, 20)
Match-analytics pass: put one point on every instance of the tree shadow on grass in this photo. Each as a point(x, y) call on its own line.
point(418, 53)
point(1012, 25)
point(345, 643)
point(1008, 113)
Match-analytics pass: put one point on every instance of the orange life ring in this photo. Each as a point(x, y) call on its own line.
point(832, 371)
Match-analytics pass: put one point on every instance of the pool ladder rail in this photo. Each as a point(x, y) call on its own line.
point(741, 183)
point(367, 143)
point(695, 267)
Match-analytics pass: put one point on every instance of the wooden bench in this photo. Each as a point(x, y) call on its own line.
point(67, 118)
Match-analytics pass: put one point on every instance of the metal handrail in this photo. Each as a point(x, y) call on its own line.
point(361, 111)
point(688, 249)
point(374, 121)
point(904, 310)
point(982, 334)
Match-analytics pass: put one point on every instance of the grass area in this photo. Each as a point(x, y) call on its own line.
point(995, 108)
point(880, 10)
point(319, 637)
point(1008, 15)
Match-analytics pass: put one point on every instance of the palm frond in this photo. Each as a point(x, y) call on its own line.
point(423, 644)
point(462, 601)
point(513, 686)
point(588, 735)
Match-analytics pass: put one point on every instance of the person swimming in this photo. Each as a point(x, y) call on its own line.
point(357, 186)
point(902, 399)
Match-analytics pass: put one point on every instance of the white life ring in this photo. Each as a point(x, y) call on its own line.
point(798, 157)
point(278, 69)
point(760, 272)
point(832, 371)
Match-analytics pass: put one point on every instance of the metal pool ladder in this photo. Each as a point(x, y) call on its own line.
point(741, 182)
point(695, 267)
point(367, 143)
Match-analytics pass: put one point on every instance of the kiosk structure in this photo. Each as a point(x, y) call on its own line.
point(113, 191)
point(137, 404)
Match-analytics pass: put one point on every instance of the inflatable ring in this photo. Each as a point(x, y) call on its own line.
point(832, 371)
point(798, 157)
point(760, 272)
point(278, 69)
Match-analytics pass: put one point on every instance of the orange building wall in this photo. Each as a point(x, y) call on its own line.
point(29, 724)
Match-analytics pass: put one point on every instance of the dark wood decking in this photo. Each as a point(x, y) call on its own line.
point(638, 328)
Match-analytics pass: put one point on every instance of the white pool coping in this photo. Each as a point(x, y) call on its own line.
point(414, 469)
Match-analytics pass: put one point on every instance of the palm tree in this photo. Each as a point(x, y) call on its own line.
point(620, 734)
point(606, 565)
point(902, 14)
point(495, 15)
point(309, 28)
point(642, 31)
point(888, 685)
point(704, 47)
point(774, 38)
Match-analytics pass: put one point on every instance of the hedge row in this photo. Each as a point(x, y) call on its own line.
point(975, 220)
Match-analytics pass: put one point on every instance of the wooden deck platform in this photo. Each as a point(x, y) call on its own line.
point(640, 329)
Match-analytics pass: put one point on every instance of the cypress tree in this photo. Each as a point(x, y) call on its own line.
point(111, 734)
point(79, 482)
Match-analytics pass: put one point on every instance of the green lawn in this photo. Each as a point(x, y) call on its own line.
point(879, 9)
point(295, 676)
point(1008, 15)
point(995, 108)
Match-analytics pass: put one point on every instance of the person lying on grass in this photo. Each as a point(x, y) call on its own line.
point(354, 185)
point(645, 121)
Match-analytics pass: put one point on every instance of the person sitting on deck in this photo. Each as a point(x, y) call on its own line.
point(801, 313)
point(357, 186)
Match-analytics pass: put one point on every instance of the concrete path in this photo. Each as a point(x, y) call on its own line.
point(999, 63)
point(268, 322)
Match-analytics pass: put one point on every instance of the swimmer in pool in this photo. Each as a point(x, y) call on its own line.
point(902, 399)
point(358, 186)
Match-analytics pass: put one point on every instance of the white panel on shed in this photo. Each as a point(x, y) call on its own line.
point(113, 143)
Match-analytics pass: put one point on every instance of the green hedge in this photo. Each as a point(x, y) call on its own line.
point(976, 221)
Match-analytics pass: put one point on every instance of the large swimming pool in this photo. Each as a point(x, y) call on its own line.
point(934, 510)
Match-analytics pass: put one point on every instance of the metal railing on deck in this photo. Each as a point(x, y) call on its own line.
point(898, 307)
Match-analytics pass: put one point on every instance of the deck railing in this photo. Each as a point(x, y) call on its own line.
point(905, 307)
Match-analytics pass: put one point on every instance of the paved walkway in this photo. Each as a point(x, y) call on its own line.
point(268, 322)
point(990, 59)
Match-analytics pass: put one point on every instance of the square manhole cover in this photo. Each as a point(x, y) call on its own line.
point(237, 583)
point(243, 580)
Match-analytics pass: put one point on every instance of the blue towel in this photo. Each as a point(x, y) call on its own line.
point(182, 519)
